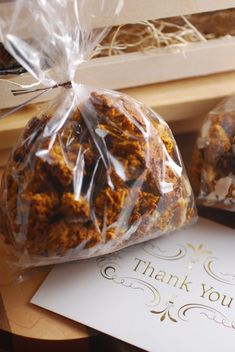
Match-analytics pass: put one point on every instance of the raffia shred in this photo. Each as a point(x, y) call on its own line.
point(174, 33)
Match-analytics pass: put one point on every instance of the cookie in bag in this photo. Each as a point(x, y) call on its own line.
point(96, 171)
point(213, 163)
point(109, 177)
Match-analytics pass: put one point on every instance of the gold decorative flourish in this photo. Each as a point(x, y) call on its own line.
point(209, 312)
point(165, 313)
point(208, 264)
point(109, 257)
point(155, 251)
point(109, 270)
point(198, 252)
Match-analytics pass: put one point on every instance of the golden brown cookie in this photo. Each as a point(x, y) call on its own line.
point(213, 163)
point(108, 177)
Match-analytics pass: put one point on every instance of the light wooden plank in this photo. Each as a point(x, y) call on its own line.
point(190, 90)
point(175, 101)
point(11, 127)
point(135, 69)
point(159, 65)
point(135, 10)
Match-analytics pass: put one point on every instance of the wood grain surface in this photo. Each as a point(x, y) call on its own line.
point(181, 103)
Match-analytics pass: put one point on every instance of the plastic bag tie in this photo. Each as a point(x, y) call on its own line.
point(41, 91)
point(16, 92)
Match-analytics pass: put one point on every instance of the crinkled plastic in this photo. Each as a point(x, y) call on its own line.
point(97, 170)
point(213, 163)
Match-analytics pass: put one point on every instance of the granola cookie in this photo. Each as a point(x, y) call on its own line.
point(213, 164)
point(109, 176)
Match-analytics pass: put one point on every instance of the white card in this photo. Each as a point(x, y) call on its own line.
point(173, 293)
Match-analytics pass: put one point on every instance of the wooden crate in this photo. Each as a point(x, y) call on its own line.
point(135, 10)
point(136, 69)
point(183, 104)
